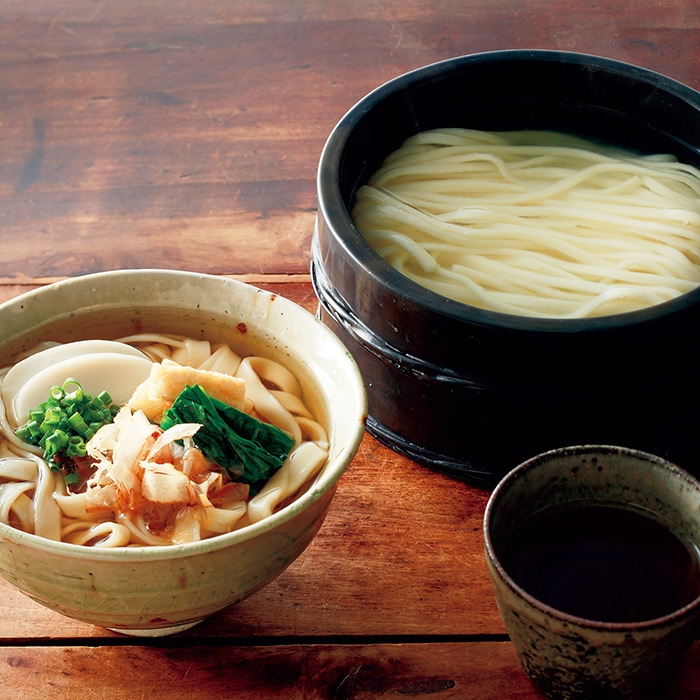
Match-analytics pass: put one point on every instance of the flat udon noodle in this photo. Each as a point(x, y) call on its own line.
point(35, 499)
point(510, 222)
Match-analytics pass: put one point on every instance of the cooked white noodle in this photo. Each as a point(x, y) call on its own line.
point(535, 223)
point(35, 498)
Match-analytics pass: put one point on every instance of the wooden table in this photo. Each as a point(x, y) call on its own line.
point(186, 134)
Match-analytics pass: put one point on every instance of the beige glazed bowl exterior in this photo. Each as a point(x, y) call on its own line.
point(153, 591)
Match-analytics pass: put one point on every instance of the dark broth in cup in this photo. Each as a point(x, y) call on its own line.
point(603, 563)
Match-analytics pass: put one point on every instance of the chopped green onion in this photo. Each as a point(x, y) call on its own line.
point(76, 396)
point(55, 442)
point(24, 433)
point(75, 447)
point(78, 423)
point(70, 382)
point(66, 421)
point(32, 429)
point(52, 415)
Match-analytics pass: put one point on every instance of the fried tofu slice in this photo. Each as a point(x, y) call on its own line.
point(156, 394)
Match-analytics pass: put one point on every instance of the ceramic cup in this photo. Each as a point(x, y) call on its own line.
point(572, 656)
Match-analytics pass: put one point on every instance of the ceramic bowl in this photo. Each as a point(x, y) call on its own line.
point(153, 591)
point(570, 657)
point(472, 392)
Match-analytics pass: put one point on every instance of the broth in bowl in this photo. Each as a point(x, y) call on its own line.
point(166, 587)
point(204, 441)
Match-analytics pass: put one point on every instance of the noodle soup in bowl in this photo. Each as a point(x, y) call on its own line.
point(471, 387)
point(151, 585)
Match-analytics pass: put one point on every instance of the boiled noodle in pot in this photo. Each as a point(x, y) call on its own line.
point(535, 223)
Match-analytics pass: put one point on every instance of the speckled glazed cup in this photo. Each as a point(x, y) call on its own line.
point(570, 657)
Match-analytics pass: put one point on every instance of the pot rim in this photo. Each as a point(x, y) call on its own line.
point(337, 218)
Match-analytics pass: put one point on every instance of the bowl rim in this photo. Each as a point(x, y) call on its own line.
point(325, 481)
point(337, 218)
point(520, 471)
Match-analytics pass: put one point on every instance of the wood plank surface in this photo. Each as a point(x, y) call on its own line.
point(187, 134)
point(307, 672)
point(442, 671)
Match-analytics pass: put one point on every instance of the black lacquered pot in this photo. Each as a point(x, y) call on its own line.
point(472, 392)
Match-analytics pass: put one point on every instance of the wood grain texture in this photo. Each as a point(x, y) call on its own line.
point(313, 672)
point(446, 671)
point(188, 137)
